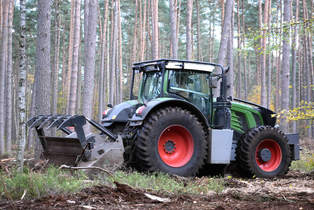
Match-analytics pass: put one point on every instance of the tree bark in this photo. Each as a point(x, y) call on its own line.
point(173, 28)
point(9, 73)
point(102, 80)
point(42, 74)
point(285, 77)
point(189, 12)
point(55, 64)
point(245, 79)
point(199, 49)
point(294, 64)
point(90, 50)
point(22, 88)
point(70, 54)
point(224, 38)
point(75, 58)
point(269, 55)
point(230, 75)
point(143, 34)
point(155, 35)
point(3, 67)
point(239, 89)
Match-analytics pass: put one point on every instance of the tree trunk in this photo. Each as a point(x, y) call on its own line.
point(9, 92)
point(102, 80)
point(269, 75)
point(263, 50)
point(70, 54)
point(199, 52)
point(55, 64)
point(239, 89)
point(75, 58)
point(224, 38)
point(155, 35)
point(22, 89)
point(143, 34)
point(173, 28)
point(42, 74)
point(189, 12)
point(90, 50)
point(3, 67)
point(285, 77)
point(120, 88)
point(294, 65)
point(230, 75)
point(245, 79)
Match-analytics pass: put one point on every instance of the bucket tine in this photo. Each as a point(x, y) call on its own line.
point(72, 121)
point(32, 120)
point(58, 121)
point(38, 121)
point(45, 122)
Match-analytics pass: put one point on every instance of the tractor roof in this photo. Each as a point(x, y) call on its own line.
point(178, 64)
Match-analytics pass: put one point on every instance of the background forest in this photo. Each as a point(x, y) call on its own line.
point(75, 56)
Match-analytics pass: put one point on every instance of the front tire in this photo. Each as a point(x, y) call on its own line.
point(264, 152)
point(172, 140)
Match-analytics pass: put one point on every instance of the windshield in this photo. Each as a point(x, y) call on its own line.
point(187, 83)
point(151, 85)
point(193, 86)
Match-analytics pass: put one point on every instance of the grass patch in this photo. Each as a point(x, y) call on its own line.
point(52, 181)
point(306, 162)
point(165, 182)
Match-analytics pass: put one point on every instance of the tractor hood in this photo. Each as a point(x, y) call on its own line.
point(267, 115)
point(120, 113)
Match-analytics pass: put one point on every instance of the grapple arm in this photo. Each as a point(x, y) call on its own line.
point(73, 147)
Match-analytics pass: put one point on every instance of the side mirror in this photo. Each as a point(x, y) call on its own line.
point(109, 105)
point(211, 83)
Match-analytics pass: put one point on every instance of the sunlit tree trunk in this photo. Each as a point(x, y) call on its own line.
point(173, 28)
point(294, 64)
point(199, 52)
point(9, 78)
point(189, 12)
point(90, 51)
point(42, 74)
point(3, 67)
point(230, 75)
point(224, 38)
point(75, 56)
point(70, 57)
point(155, 31)
point(22, 88)
point(285, 67)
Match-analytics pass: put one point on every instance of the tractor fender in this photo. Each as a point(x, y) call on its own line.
point(120, 113)
point(158, 103)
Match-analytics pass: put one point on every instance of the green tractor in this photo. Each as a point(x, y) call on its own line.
point(175, 125)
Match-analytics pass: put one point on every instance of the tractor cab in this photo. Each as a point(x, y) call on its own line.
point(186, 80)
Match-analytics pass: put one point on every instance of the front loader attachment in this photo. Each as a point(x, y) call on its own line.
point(75, 148)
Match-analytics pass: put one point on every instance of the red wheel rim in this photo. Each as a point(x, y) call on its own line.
point(175, 146)
point(276, 155)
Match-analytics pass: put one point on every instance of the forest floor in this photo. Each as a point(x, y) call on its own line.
point(293, 191)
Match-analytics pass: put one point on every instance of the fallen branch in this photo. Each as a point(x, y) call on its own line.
point(25, 191)
point(6, 160)
point(91, 167)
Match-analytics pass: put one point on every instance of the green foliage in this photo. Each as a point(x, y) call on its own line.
point(165, 182)
point(35, 185)
point(305, 164)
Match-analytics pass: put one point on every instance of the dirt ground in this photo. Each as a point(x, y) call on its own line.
point(294, 191)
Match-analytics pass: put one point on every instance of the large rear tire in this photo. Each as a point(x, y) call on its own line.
point(264, 152)
point(171, 140)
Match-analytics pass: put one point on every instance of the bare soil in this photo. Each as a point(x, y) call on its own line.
point(294, 191)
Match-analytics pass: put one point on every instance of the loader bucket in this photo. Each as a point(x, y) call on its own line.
point(76, 148)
